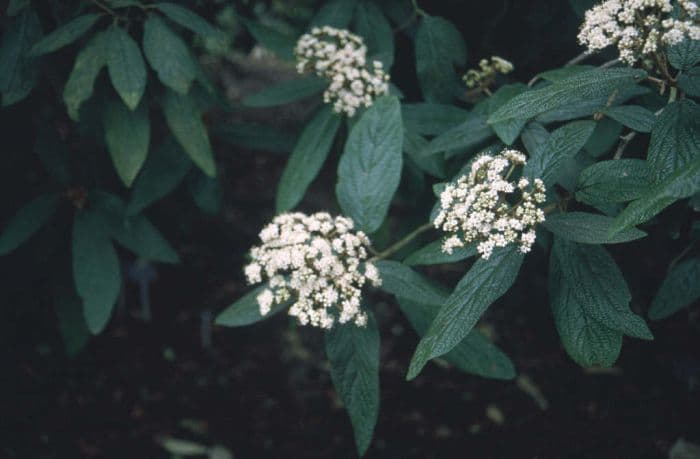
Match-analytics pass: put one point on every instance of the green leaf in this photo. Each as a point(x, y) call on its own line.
point(163, 171)
point(127, 135)
point(684, 55)
point(307, 158)
point(613, 181)
point(690, 82)
point(15, 6)
point(136, 233)
point(189, 20)
point(205, 192)
point(563, 73)
point(431, 119)
point(87, 67)
point(335, 13)
point(573, 90)
point(27, 221)
point(587, 341)
point(533, 137)
point(633, 116)
point(439, 48)
point(127, 69)
point(413, 146)
point(680, 289)
point(65, 34)
point(401, 281)
point(185, 122)
point(71, 323)
point(271, 38)
point(675, 139)
point(168, 55)
point(475, 354)
point(255, 137)
point(286, 92)
point(605, 136)
point(432, 254)
point(470, 133)
point(96, 269)
point(370, 167)
point(589, 228)
point(484, 283)
point(371, 25)
point(681, 184)
point(246, 310)
point(590, 302)
point(353, 354)
point(18, 71)
point(507, 130)
point(546, 163)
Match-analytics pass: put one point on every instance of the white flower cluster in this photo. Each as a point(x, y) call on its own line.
point(484, 207)
point(487, 71)
point(341, 57)
point(318, 262)
point(638, 27)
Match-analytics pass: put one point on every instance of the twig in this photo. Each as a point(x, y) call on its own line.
point(609, 64)
point(624, 140)
point(105, 8)
point(680, 256)
point(403, 242)
point(571, 62)
point(418, 9)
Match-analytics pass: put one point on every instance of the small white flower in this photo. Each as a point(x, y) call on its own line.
point(341, 57)
point(485, 208)
point(317, 261)
point(487, 71)
point(638, 27)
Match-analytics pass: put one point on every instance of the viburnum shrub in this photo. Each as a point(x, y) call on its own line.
point(558, 169)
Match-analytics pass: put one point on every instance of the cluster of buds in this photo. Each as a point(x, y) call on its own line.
point(486, 74)
point(341, 57)
point(485, 208)
point(639, 28)
point(317, 262)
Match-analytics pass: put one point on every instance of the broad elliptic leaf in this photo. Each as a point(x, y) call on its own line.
point(475, 354)
point(370, 167)
point(590, 302)
point(307, 158)
point(185, 121)
point(564, 143)
point(576, 89)
point(684, 55)
point(189, 20)
point(286, 92)
point(613, 181)
point(431, 119)
point(562, 73)
point(205, 191)
point(605, 136)
point(634, 117)
point(163, 171)
point(484, 283)
point(271, 38)
point(680, 289)
point(400, 280)
point(371, 25)
point(136, 232)
point(127, 135)
point(335, 13)
point(19, 72)
point(675, 139)
point(439, 48)
point(432, 254)
point(127, 70)
point(689, 82)
point(472, 132)
point(87, 67)
point(353, 354)
point(27, 221)
point(509, 129)
point(246, 310)
point(96, 269)
point(168, 55)
point(65, 34)
point(681, 184)
point(589, 228)
point(71, 322)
